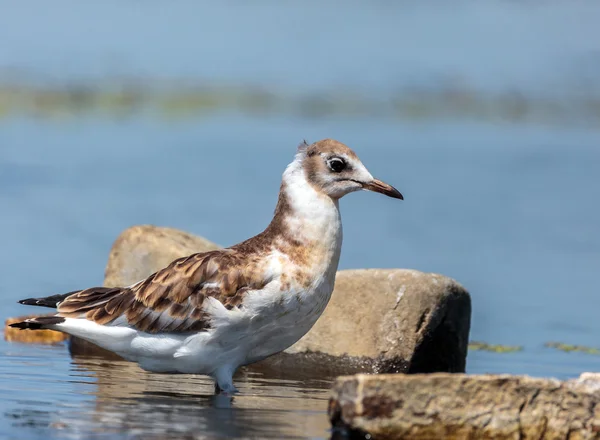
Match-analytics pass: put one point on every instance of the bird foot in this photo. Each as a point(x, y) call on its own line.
point(226, 390)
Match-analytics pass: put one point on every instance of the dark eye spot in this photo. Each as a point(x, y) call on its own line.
point(336, 164)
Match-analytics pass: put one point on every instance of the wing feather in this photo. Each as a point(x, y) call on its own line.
point(172, 299)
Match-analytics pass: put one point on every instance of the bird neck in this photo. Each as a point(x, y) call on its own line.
point(305, 216)
point(307, 226)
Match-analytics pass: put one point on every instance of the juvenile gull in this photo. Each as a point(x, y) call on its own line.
point(211, 312)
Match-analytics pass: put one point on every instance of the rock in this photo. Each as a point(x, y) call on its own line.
point(142, 250)
point(37, 337)
point(390, 321)
point(457, 406)
point(378, 320)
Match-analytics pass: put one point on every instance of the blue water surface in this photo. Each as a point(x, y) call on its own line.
point(509, 209)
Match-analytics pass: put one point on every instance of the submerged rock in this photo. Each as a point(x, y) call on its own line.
point(378, 320)
point(493, 348)
point(456, 406)
point(568, 348)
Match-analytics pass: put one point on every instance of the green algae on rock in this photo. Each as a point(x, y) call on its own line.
point(494, 348)
point(567, 348)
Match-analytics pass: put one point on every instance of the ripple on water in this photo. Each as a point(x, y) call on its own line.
point(44, 393)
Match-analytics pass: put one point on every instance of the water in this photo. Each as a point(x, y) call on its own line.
point(93, 397)
point(505, 204)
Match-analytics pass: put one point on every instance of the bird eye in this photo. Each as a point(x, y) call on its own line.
point(337, 165)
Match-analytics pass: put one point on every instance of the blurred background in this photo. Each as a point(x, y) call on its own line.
point(486, 115)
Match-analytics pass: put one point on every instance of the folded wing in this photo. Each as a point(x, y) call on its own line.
point(172, 299)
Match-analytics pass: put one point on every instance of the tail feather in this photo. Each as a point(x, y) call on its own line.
point(48, 301)
point(38, 323)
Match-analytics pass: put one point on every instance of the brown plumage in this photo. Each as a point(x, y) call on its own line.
point(171, 299)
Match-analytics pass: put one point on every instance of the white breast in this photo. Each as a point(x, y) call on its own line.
point(275, 317)
point(282, 317)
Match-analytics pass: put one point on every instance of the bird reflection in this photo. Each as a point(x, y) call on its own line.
point(130, 400)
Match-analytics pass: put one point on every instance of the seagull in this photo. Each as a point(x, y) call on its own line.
point(212, 312)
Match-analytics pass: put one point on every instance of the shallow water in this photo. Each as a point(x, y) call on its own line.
point(92, 397)
point(505, 203)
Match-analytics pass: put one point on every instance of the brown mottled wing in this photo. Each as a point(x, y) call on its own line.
point(171, 300)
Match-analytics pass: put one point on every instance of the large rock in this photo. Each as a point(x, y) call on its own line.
point(378, 320)
point(456, 406)
point(386, 321)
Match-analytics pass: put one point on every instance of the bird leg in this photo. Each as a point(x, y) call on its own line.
point(224, 381)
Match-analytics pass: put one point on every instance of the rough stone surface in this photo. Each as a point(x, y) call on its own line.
point(378, 320)
point(457, 406)
point(409, 321)
point(142, 250)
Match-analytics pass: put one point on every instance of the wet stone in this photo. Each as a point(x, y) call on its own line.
point(457, 406)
